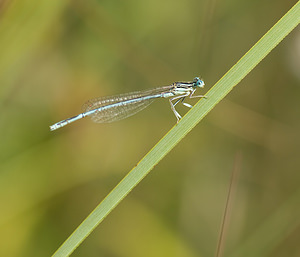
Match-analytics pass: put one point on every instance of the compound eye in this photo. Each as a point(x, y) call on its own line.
point(197, 80)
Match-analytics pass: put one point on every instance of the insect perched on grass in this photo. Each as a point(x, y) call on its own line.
point(113, 108)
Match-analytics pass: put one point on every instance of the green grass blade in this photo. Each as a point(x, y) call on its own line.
point(268, 42)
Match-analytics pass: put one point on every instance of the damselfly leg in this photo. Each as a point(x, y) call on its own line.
point(181, 99)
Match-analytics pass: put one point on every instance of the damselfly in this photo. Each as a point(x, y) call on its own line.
point(113, 108)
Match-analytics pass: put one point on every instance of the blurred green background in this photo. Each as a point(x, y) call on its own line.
point(55, 55)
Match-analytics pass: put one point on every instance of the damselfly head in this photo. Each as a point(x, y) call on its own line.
point(198, 82)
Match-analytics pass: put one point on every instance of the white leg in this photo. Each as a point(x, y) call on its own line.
point(182, 98)
point(177, 115)
point(178, 98)
point(194, 96)
point(187, 105)
point(176, 102)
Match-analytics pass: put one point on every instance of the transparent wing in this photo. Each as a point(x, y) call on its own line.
point(119, 107)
